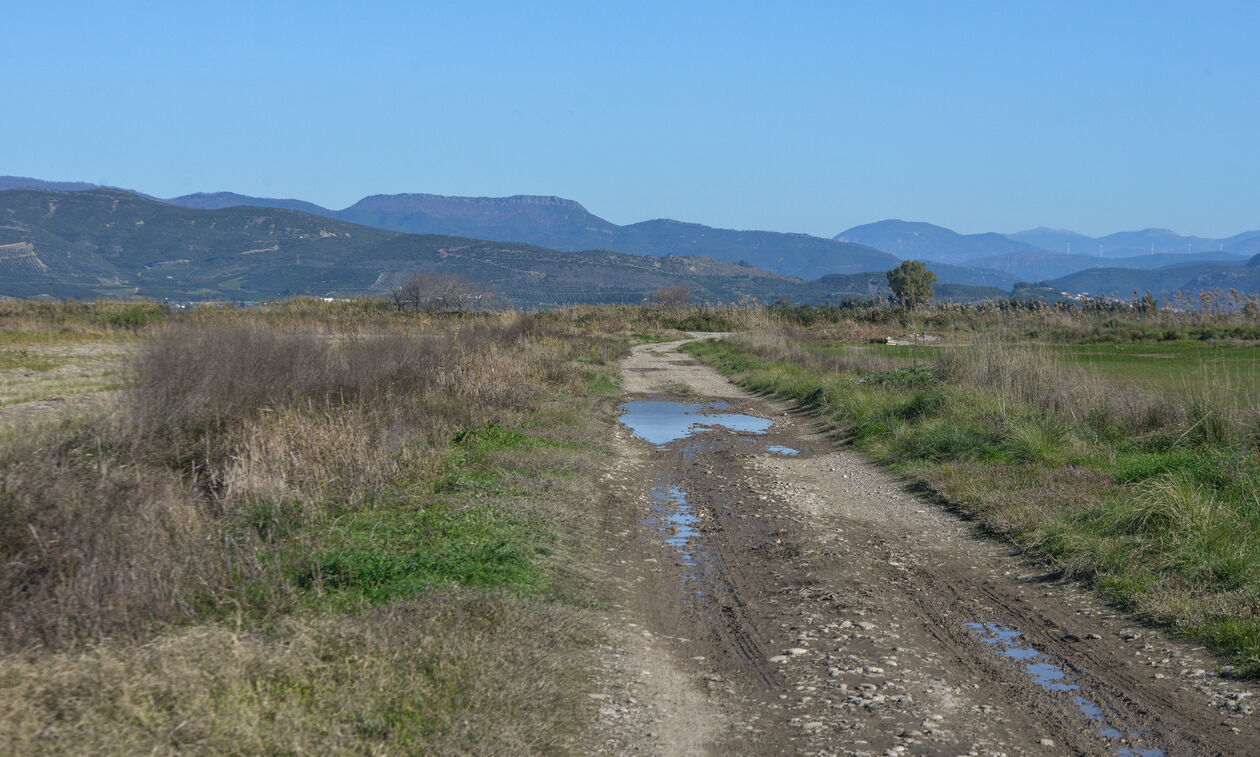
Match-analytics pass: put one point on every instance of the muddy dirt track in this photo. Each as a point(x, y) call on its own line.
point(774, 593)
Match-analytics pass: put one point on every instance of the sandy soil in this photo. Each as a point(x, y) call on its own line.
point(823, 608)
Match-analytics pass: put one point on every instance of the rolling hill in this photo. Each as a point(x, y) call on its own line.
point(925, 241)
point(1189, 279)
point(1040, 266)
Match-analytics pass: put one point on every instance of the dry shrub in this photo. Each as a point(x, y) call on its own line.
point(93, 544)
point(129, 520)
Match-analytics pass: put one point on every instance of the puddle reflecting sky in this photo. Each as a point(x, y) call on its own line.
point(1052, 677)
point(677, 519)
point(660, 422)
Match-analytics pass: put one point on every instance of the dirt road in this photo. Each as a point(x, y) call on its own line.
point(777, 594)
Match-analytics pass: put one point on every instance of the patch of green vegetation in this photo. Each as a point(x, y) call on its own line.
point(377, 556)
point(603, 381)
point(407, 542)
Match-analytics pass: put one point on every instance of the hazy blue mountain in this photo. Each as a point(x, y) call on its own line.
point(1154, 241)
point(1127, 244)
point(1059, 241)
point(220, 200)
point(1161, 281)
point(26, 182)
point(798, 255)
point(925, 241)
point(1246, 247)
point(971, 275)
point(1040, 266)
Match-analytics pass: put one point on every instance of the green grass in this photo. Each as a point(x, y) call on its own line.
point(467, 526)
point(1166, 524)
point(382, 556)
point(1171, 365)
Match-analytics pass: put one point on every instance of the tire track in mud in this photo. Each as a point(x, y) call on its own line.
point(822, 608)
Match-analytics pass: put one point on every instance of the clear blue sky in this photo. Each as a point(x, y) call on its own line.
point(810, 117)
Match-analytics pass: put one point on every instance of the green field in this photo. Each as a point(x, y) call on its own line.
point(1179, 366)
point(1176, 365)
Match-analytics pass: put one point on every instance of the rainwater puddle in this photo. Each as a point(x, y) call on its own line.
point(675, 518)
point(660, 422)
point(1051, 677)
point(781, 450)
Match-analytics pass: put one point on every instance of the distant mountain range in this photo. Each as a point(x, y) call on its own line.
point(561, 224)
point(989, 260)
point(1126, 244)
point(95, 242)
point(1042, 254)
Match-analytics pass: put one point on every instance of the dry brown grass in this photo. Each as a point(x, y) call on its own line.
point(134, 518)
point(149, 600)
point(446, 673)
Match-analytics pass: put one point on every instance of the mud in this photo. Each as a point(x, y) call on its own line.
point(774, 593)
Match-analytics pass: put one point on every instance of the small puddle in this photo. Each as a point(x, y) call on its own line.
point(660, 422)
point(1052, 677)
point(675, 518)
point(781, 450)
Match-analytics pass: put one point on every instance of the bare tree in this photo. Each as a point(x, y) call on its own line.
point(442, 292)
point(674, 296)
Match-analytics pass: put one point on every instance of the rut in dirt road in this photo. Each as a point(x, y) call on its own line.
point(796, 599)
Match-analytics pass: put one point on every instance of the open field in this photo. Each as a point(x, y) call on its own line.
point(334, 527)
point(39, 372)
point(296, 534)
point(1178, 366)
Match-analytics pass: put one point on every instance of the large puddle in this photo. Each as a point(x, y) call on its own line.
point(1052, 677)
point(660, 422)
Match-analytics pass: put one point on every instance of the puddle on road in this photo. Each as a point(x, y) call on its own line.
point(675, 518)
point(660, 422)
point(1052, 677)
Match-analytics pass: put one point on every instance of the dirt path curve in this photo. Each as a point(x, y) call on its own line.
point(778, 594)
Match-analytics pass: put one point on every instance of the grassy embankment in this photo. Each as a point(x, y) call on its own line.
point(1136, 468)
point(310, 528)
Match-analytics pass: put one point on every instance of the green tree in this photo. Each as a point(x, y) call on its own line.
point(911, 283)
